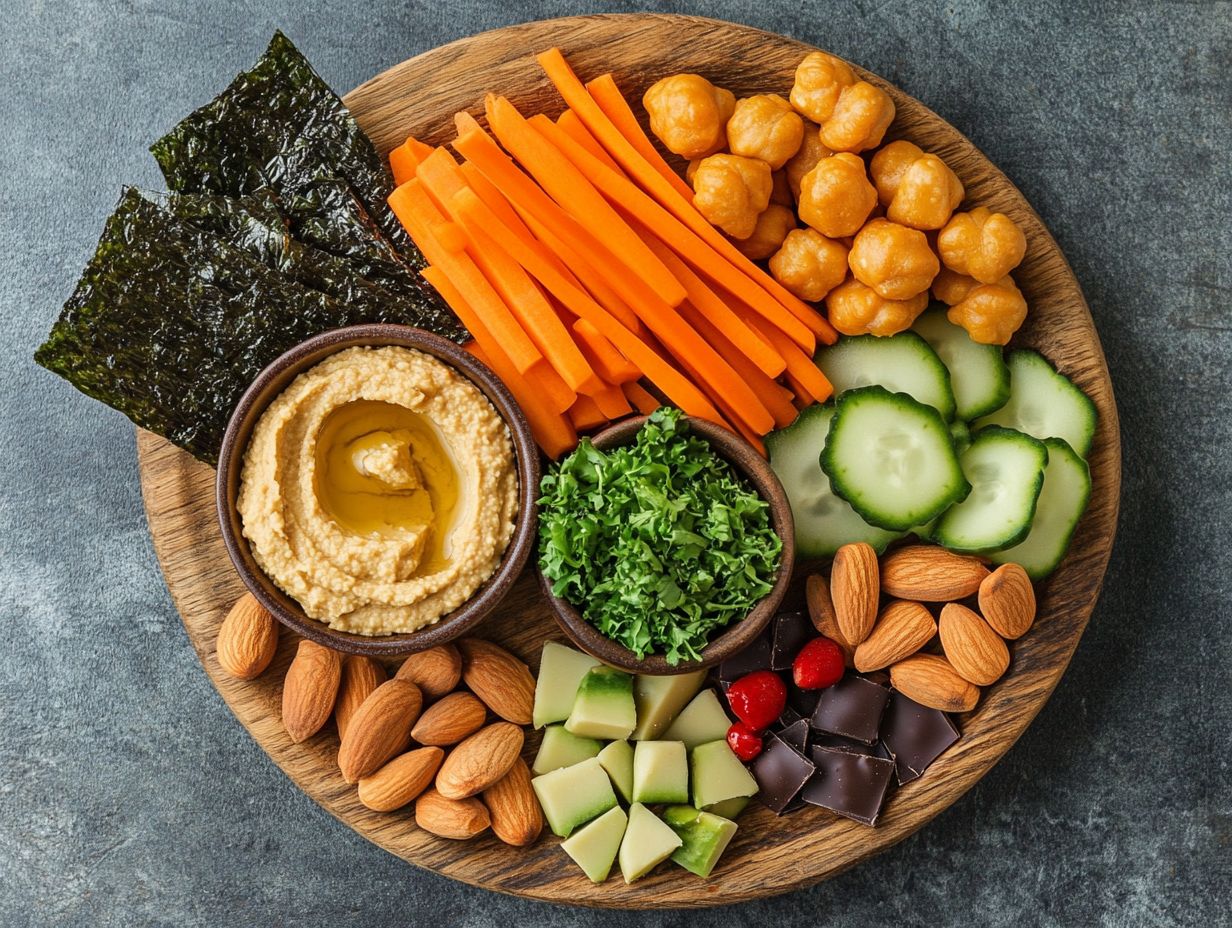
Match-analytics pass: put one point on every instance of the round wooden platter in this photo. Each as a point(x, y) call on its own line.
point(769, 855)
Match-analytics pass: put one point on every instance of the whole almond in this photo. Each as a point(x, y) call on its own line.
point(450, 719)
point(516, 816)
point(435, 671)
point(480, 760)
point(360, 676)
point(247, 639)
point(1007, 600)
point(902, 629)
point(450, 818)
point(821, 611)
point(932, 682)
point(503, 682)
point(930, 574)
point(309, 690)
point(972, 647)
point(855, 590)
point(379, 729)
point(400, 780)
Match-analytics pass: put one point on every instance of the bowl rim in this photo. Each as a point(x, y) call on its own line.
point(749, 463)
point(272, 380)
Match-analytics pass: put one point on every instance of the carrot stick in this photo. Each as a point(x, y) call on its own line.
point(640, 397)
point(574, 128)
point(586, 414)
point(683, 240)
point(565, 184)
point(734, 422)
point(415, 210)
point(776, 398)
point(442, 179)
point(710, 305)
point(472, 212)
point(404, 159)
point(611, 401)
point(806, 377)
point(614, 104)
point(578, 99)
point(602, 354)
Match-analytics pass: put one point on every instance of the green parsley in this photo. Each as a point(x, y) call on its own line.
point(658, 543)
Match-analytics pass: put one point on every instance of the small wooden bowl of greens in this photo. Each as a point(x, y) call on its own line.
point(665, 544)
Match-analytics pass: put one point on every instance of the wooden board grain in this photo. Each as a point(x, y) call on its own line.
point(768, 855)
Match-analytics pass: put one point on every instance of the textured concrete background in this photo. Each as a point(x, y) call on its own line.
point(130, 796)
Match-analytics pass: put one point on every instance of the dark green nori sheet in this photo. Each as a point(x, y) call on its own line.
point(169, 323)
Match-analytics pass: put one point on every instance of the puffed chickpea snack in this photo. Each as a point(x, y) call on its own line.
point(856, 309)
point(836, 196)
point(991, 313)
point(893, 260)
point(732, 192)
point(982, 244)
point(689, 114)
point(811, 151)
point(820, 79)
point(860, 118)
point(772, 227)
point(766, 127)
point(809, 264)
point(918, 189)
point(780, 190)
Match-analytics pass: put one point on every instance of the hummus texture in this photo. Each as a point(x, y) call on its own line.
point(379, 490)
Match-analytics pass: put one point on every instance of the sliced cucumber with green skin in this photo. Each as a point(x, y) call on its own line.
point(824, 522)
point(1045, 404)
point(978, 374)
point(892, 459)
point(903, 363)
point(1063, 499)
point(960, 434)
point(1006, 471)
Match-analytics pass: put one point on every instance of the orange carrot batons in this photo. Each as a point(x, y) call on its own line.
point(643, 401)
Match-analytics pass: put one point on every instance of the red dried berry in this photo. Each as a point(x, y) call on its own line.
point(744, 742)
point(818, 665)
point(758, 698)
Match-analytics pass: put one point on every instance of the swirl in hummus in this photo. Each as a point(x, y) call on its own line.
point(379, 490)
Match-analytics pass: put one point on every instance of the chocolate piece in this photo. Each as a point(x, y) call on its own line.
point(788, 717)
point(915, 735)
point(791, 631)
point(803, 701)
point(755, 657)
point(853, 785)
point(851, 708)
point(781, 771)
point(835, 743)
point(797, 735)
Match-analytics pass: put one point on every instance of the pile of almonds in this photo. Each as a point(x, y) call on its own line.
point(418, 736)
point(972, 644)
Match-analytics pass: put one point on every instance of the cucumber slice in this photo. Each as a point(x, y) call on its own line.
point(978, 375)
point(1063, 499)
point(960, 434)
point(902, 363)
point(824, 522)
point(1006, 471)
point(892, 458)
point(1045, 404)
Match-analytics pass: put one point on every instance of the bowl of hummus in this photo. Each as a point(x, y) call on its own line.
point(377, 489)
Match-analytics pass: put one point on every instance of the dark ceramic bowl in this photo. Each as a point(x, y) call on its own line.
point(739, 635)
point(272, 381)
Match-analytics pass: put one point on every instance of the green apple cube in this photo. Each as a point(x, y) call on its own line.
point(718, 775)
point(572, 796)
point(647, 843)
point(593, 847)
point(560, 671)
point(604, 706)
point(617, 760)
point(728, 808)
point(704, 837)
point(659, 699)
point(559, 749)
point(703, 720)
point(660, 772)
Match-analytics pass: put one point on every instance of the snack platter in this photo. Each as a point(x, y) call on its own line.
point(768, 853)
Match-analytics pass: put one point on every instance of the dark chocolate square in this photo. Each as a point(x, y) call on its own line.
point(781, 771)
point(797, 735)
point(788, 716)
point(803, 701)
point(851, 708)
point(853, 785)
point(755, 657)
point(916, 735)
point(835, 743)
point(791, 631)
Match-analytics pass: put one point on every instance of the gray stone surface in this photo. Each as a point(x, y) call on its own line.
point(130, 796)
